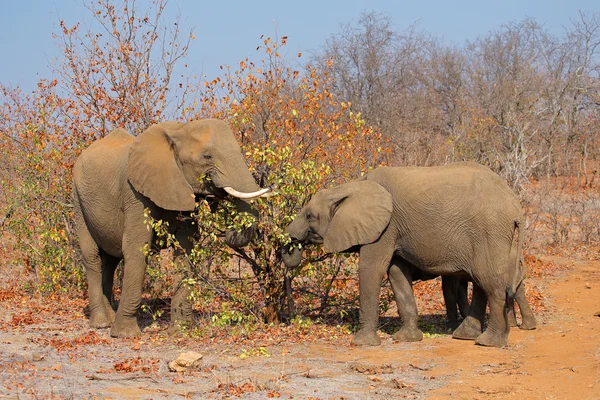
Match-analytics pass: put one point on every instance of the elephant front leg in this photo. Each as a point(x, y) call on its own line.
point(371, 269)
point(134, 268)
point(401, 281)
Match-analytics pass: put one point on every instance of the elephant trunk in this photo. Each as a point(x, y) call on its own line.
point(291, 256)
point(292, 253)
point(240, 238)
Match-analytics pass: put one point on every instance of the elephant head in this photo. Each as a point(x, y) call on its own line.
point(352, 214)
point(172, 162)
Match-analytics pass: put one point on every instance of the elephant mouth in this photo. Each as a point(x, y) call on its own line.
point(314, 238)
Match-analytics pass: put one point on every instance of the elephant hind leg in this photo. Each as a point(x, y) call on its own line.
point(109, 265)
point(92, 260)
point(463, 297)
point(181, 306)
point(528, 321)
point(496, 334)
point(472, 325)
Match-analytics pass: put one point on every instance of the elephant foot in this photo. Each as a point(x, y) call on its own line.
point(512, 320)
point(528, 324)
point(125, 328)
point(491, 339)
point(99, 321)
point(412, 334)
point(470, 329)
point(181, 313)
point(366, 337)
point(102, 318)
point(177, 327)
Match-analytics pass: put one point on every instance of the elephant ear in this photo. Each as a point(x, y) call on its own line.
point(361, 210)
point(154, 172)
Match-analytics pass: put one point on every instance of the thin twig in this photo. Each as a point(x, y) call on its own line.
point(120, 378)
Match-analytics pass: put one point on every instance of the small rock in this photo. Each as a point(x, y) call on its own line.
point(587, 285)
point(37, 357)
point(189, 359)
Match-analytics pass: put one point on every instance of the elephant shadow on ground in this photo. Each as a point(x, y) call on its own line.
point(430, 324)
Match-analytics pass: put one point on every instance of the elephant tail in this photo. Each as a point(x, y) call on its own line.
point(518, 271)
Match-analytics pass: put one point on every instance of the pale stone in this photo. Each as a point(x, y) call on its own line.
point(189, 359)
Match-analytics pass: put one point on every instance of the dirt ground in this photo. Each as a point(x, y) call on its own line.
point(51, 353)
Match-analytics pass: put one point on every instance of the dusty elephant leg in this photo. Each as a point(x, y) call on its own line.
point(472, 326)
point(99, 318)
point(125, 324)
point(371, 269)
point(109, 265)
point(99, 315)
point(181, 306)
point(463, 297)
point(496, 334)
point(401, 281)
point(528, 321)
point(450, 289)
point(134, 268)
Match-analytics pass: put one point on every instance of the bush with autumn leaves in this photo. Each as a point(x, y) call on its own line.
point(297, 136)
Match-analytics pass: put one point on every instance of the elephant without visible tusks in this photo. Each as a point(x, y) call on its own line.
point(459, 220)
point(119, 176)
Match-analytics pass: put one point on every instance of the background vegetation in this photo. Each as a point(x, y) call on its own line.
point(520, 100)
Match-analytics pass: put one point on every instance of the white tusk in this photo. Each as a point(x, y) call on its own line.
point(243, 195)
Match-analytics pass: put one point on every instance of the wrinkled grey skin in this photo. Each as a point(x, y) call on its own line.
point(459, 220)
point(119, 176)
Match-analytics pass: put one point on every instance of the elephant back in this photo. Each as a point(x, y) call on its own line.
point(103, 157)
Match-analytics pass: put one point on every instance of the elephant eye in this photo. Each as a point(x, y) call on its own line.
point(208, 156)
point(310, 217)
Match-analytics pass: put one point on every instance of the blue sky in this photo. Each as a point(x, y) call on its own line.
point(228, 31)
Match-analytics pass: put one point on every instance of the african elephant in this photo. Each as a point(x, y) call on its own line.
point(164, 170)
point(461, 219)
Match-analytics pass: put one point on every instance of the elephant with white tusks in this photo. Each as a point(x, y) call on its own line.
point(164, 169)
point(459, 219)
